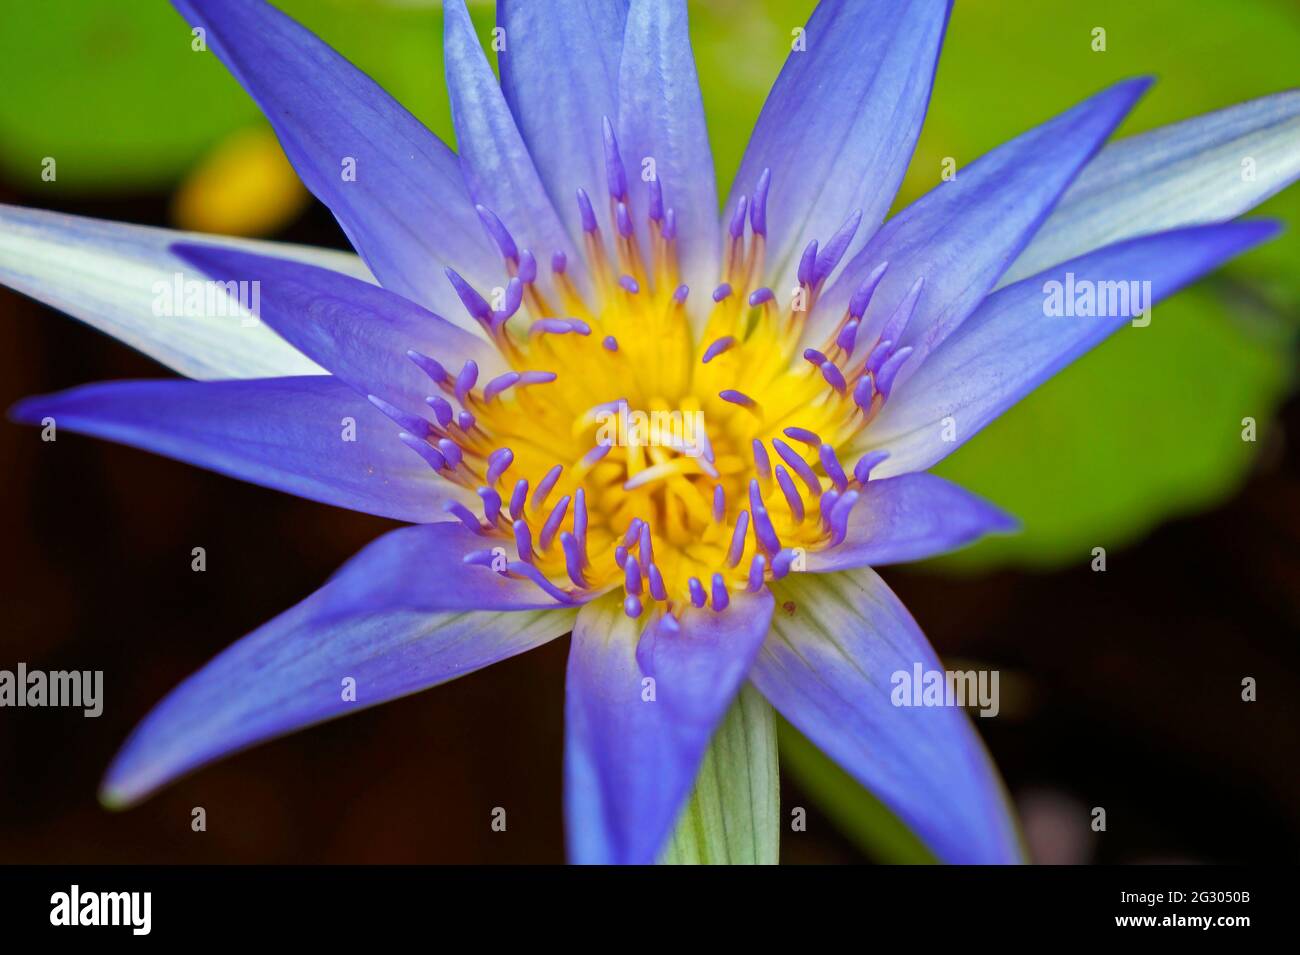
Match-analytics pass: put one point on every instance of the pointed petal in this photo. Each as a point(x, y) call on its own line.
point(121, 279)
point(908, 518)
point(840, 124)
point(828, 668)
point(498, 170)
point(629, 762)
point(1207, 169)
point(560, 110)
point(395, 189)
point(661, 117)
point(403, 615)
point(733, 816)
point(291, 434)
point(360, 333)
point(961, 236)
point(1012, 344)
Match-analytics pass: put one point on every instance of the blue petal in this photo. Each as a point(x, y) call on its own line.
point(840, 124)
point(629, 762)
point(403, 615)
point(498, 170)
point(406, 211)
point(1188, 173)
point(283, 433)
point(829, 668)
point(111, 275)
point(661, 116)
point(358, 332)
point(1010, 345)
point(961, 236)
point(559, 73)
point(908, 518)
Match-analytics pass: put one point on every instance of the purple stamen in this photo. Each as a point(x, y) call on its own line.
point(761, 461)
point(407, 422)
point(885, 379)
point(610, 343)
point(499, 462)
point(499, 233)
point(474, 303)
point(722, 292)
point(765, 532)
point(862, 470)
point(656, 213)
point(517, 499)
point(803, 435)
point(536, 378)
point(432, 456)
point(737, 226)
point(620, 556)
point(537, 577)
point(442, 409)
point(430, 366)
point(559, 262)
point(834, 251)
point(657, 589)
point(847, 339)
point(839, 519)
point(523, 540)
point(632, 606)
point(552, 525)
point(761, 297)
point(645, 545)
point(628, 284)
point(499, 384)
point(451, 451)
point(466, 421)
point(586, 212)
point(798, 465)
point(813, 357)
point(737, 547)
point(781, 562)
point(465, 380)
point(757, 573)
point(573, 559)
point(594, 455)
point(633, 531)
point(807, 264)
point(831, 464)
point(491, 504)
point(580, 521)
point(758, 208)
point(826, 504)
point(878, 355)
point(834, 377)
point(719, 503)
point(670, 225)
point(632, 575)
point(898, 321)
point(698, 598)
point(719, 345)
point(863, 391)
point(544, 486)
point(862, 297)
point(614, 172)
point(514, 298)
point(791, 493)
point(624, 220)
point(464, 515)
point(734, 397)
point(527, 267)
point(481, 558)
point(720, 596)
point(680, 293)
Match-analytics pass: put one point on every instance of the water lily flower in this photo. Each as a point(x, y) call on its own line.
point(569, 263)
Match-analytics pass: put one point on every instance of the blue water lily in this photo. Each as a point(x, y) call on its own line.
point(605, 410)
